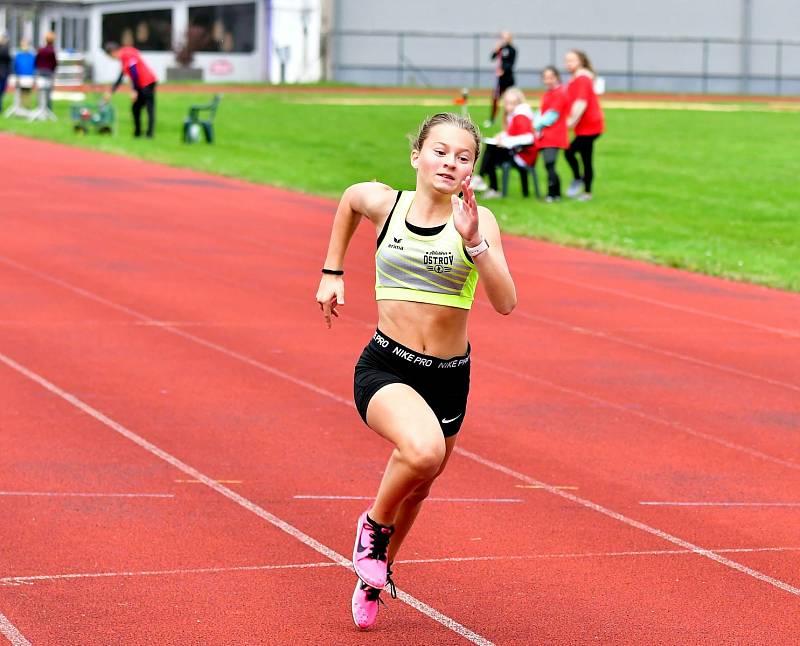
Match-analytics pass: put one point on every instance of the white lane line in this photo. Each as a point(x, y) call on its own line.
point(490, 500)
point(235, 497)
point(577, 329)
point(792, 334)
point(346, 402)
point(11, 633)
point(32, 579)
point(17, 580)
point(688, 430)
point(583, 555)
point(583, 502)
point(656, 503)
point(60, 494)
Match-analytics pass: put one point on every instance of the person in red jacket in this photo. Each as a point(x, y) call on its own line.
point(143, 81)
point(550, 124)
point(586, 119)
point(514, 143)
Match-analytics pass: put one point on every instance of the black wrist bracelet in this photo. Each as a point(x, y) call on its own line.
point(333, 272)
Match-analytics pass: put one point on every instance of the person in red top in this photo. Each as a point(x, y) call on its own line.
point(551, 128)
point(586, 119)
point(514, 144)
point(143, 81)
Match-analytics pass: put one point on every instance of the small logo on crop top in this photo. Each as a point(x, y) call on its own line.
point(438, 261)
point(396, 244)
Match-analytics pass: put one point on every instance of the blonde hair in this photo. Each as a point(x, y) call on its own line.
point(50, 38)
point(449, 118)
point(514, 92)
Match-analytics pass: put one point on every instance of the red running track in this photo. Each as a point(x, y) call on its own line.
point(180, 458)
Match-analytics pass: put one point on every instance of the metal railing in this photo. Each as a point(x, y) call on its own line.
point(626, 62)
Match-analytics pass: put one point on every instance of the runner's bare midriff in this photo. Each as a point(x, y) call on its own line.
point(434, 330)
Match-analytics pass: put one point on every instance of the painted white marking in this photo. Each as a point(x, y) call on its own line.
point(11, 633)
point(652, 418)
point(31, 579)
point(346, 402)
point(15, 580)
point(198, 482)
point(583, 502)
point(59, 494)
point(537, 487)
point(291, 530)
point(581, 555)
point(655, 503)
point(792, 334)
point(499, 500)
point(649, 348)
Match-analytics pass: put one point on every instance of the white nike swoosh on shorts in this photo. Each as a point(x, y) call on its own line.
point(447, 421)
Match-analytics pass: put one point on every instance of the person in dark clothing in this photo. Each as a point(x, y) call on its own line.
point(45, 64)
point(5, 66)
point(144, 82)
point(505, 56)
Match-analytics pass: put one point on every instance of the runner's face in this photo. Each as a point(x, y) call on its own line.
point(446, 159)
point(549, 79)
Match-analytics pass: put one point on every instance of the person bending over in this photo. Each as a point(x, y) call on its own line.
point(143, 81)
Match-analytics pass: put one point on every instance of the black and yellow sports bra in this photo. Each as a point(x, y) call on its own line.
point(423, 268)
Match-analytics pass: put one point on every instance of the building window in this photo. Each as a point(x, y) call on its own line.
point(223, 28)
point(146, 30)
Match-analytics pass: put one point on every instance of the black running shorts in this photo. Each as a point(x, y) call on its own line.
point(442, 383)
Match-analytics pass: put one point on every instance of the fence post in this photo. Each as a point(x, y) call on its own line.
point(553, 53)
point(401, 58)
point(476, 60)
point(778, 66)
point(630, 63)
point(705, 66)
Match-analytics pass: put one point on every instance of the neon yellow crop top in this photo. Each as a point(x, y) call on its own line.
point(422, 268)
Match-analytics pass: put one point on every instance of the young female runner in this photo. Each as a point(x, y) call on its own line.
point(412, 379)
point(586, 118)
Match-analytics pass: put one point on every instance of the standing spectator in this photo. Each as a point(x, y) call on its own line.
point(5, 66)
point(586, 119)
point(45, 64)
point(551, 128)
point(504, 56)
point(143, 81)
point(514, 144)
point(23, 71)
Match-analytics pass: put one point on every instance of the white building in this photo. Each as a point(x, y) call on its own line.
point(234, 40)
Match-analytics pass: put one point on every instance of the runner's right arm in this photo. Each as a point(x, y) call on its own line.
point(371, 200)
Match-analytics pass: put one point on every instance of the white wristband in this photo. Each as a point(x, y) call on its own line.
point(477, 250)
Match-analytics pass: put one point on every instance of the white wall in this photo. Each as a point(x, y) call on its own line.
point(287, 18)
point(287, 30)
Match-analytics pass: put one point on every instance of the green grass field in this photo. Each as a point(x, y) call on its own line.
point(714, 192)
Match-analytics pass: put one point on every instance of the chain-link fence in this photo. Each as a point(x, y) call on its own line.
point(631, 63)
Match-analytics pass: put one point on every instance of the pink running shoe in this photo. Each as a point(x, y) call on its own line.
point(369, 551)
point(367, 601)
